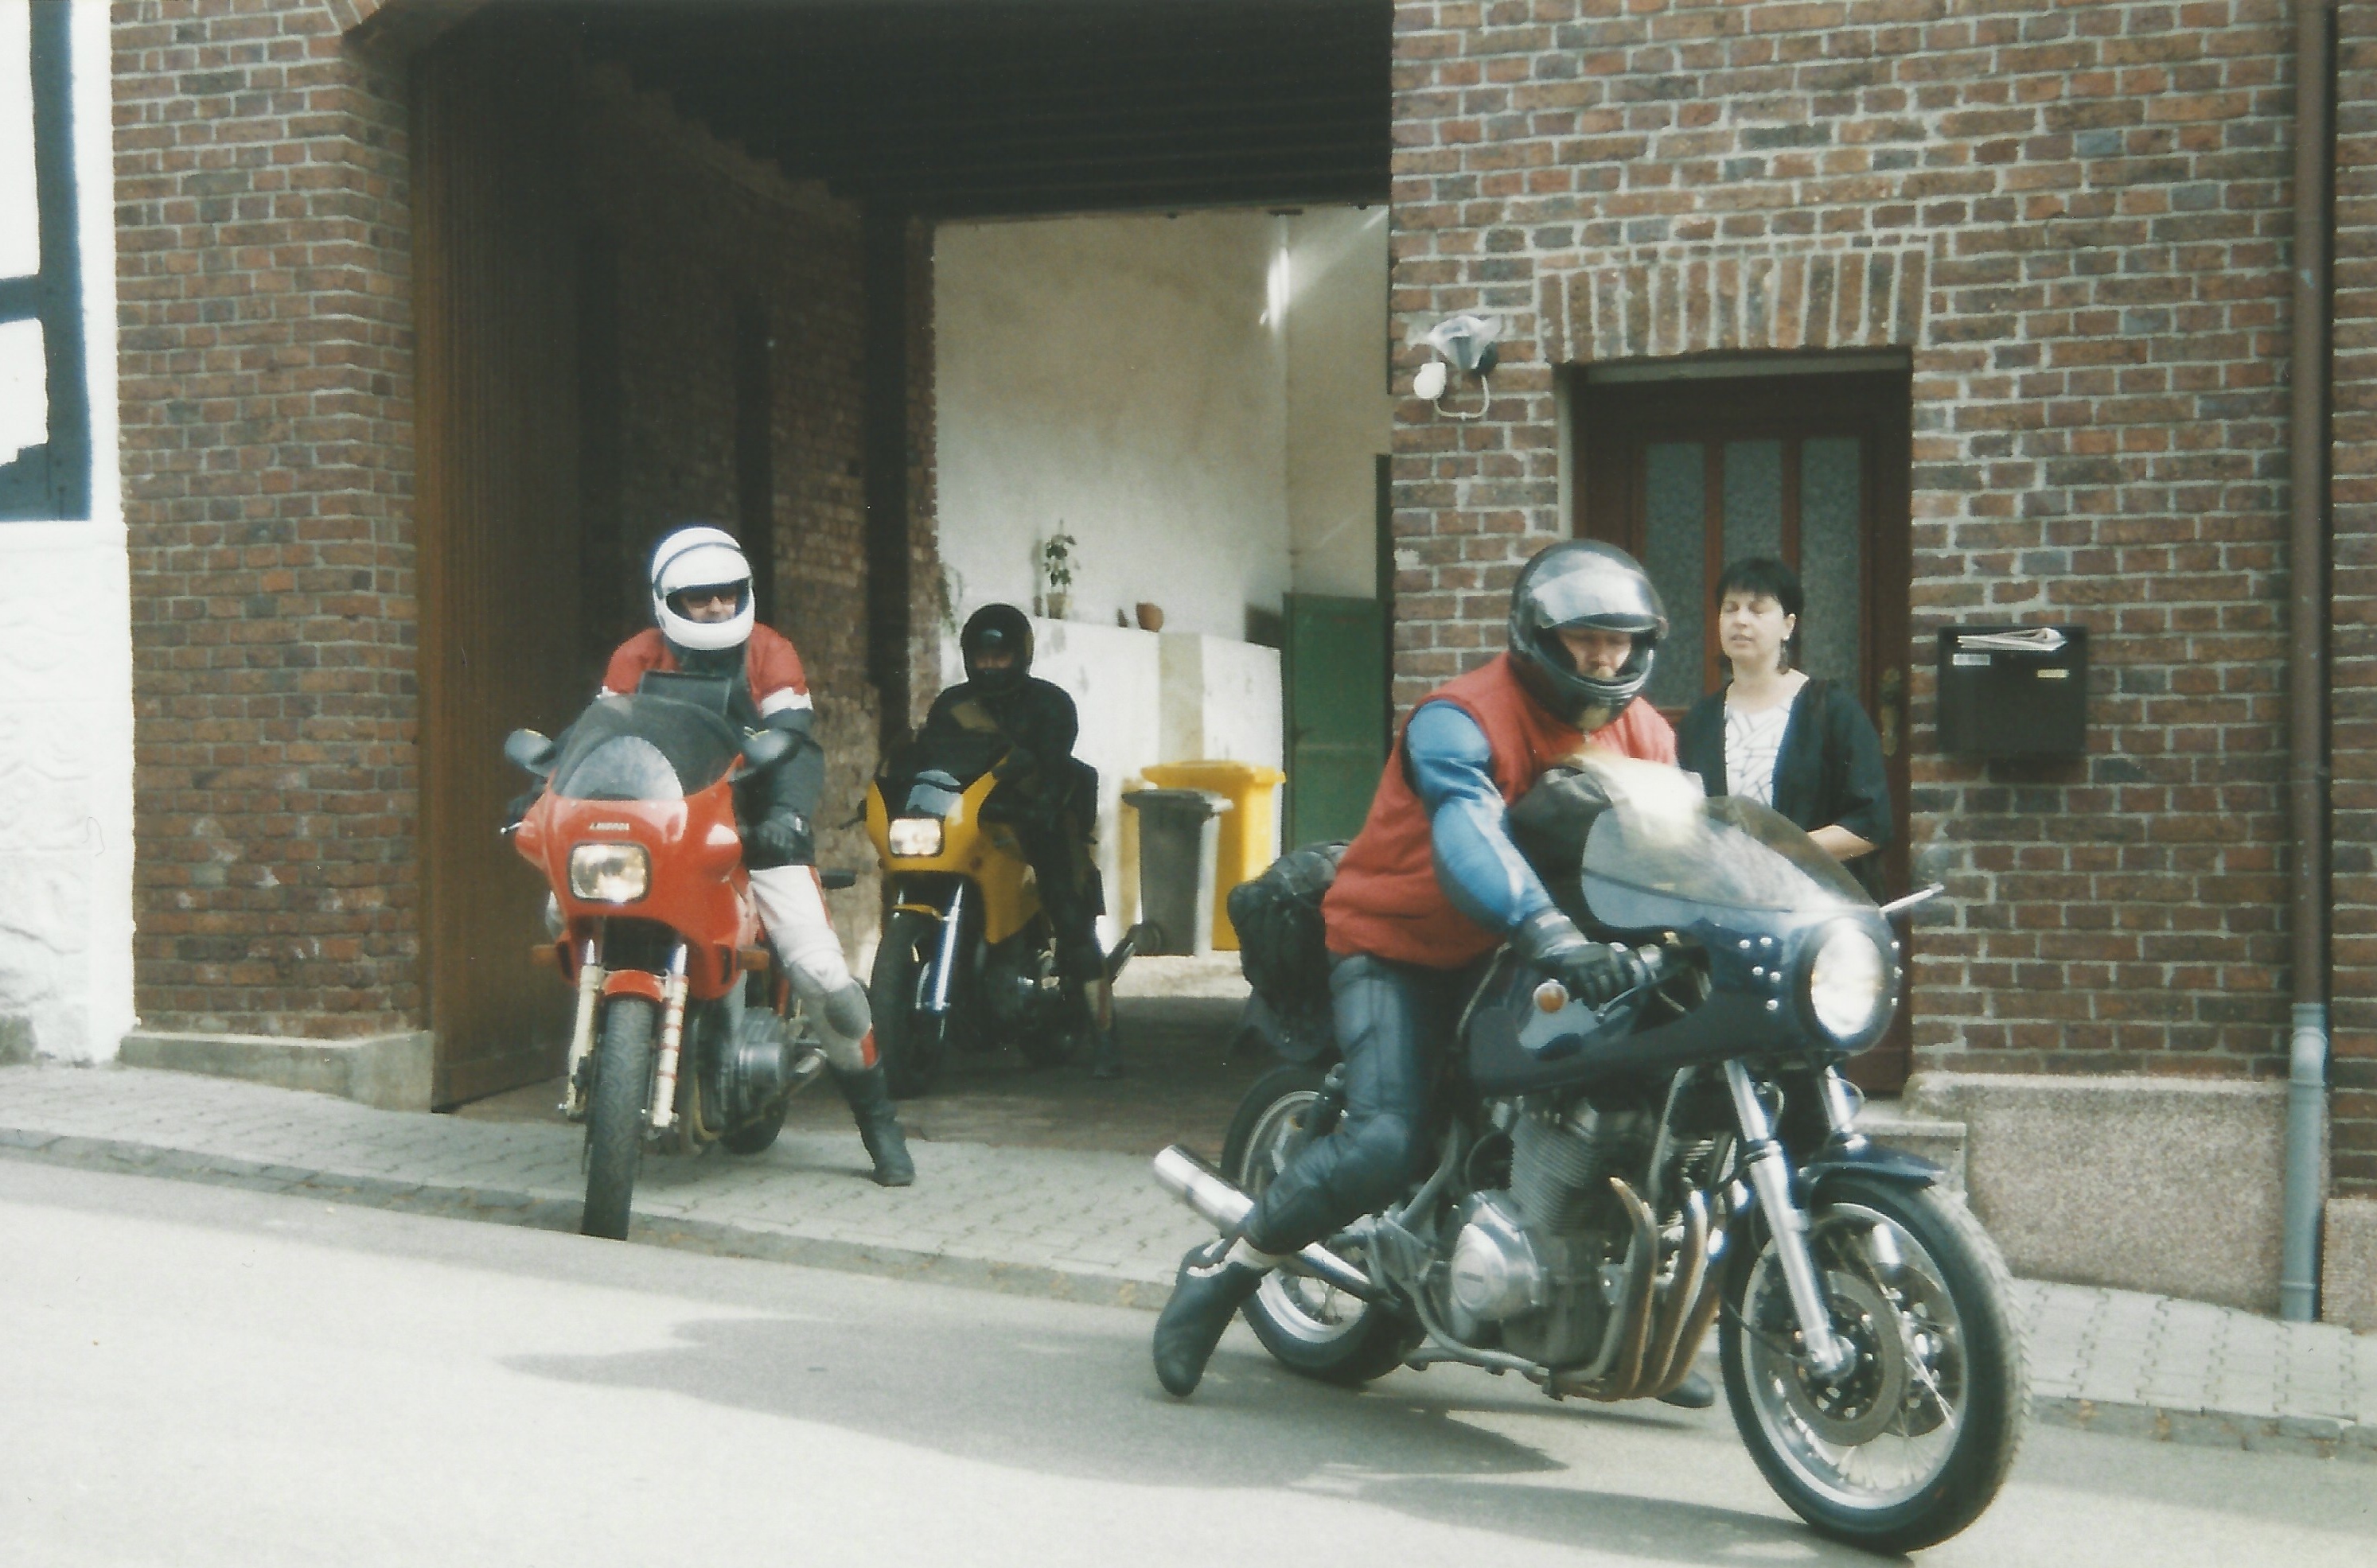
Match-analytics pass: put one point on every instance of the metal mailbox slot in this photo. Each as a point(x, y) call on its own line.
point(2013, 691)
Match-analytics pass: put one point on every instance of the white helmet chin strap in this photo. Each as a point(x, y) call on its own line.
point(700, 557)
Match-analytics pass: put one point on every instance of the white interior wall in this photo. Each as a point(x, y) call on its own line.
point(66, 666)
point(1200, 401)
point(1122, 378)
point(1340, 413)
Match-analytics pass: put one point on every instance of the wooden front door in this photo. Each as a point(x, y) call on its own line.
point(502, 644)
point(1688, 475)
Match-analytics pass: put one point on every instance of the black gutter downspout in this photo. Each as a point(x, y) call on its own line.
point(2307, 687)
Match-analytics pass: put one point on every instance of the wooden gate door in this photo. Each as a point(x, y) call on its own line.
point(497, 508)
point(1811, 468)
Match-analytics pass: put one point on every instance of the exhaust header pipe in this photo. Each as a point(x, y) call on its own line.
point(1225, 1207)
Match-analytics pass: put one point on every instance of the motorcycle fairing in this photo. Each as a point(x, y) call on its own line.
point(984, 854)
point(1743, 886)
point(683, 760)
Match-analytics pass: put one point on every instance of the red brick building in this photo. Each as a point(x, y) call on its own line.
point(1984, 309)
point(2033, 258)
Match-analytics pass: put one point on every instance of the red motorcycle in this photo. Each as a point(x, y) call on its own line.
point(679, 1039)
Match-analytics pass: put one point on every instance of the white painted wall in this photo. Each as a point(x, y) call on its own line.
point(65, 663)
point(1200, 401)
point(1339, 414)
point(1123, 378)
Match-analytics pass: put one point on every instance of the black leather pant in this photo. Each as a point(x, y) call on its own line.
point(1391, 1020)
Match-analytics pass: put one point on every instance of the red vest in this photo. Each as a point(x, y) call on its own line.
point(1386, 900)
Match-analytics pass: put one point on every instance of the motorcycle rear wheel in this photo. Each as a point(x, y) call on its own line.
point(1312, 1329)
point(615, 1122)
point(907, 1039)
point(1910, 1445)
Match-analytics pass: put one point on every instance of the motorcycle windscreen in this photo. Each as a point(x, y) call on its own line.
point(1672, 863)
point(642, 748)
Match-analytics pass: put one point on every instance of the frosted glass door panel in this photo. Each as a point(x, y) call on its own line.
point(1832, 550)
point(1675, 494)
point(1754, 499)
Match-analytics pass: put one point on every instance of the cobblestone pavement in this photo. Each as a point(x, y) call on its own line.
point(1086, 1224)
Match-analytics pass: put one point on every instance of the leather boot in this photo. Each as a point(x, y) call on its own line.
point(1105, 1044)
point(879, 1125)
point(1206, 1294)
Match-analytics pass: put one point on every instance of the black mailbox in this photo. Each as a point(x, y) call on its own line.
point(2014, 691)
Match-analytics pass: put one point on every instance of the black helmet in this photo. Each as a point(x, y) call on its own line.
point(990, 629)
point(1578, 583)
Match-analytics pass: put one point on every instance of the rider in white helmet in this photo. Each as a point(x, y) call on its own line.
point(701, 602)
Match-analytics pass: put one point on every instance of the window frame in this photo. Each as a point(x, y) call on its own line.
point(53, 481)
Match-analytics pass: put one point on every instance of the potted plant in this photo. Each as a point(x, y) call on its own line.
point(1056, 570)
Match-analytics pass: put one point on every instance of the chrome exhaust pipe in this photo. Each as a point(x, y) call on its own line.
point(1619, 1364)
point(1225, 1206)
point(1683, 1295)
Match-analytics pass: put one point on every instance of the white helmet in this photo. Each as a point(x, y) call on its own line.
point(701, 557)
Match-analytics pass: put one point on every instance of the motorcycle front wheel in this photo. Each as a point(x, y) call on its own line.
point(1310, 1328)
point(615, 1122)
point(907, 1039)
point(1910, 1443)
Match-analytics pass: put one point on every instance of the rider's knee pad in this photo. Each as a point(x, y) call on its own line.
point(846, 1013)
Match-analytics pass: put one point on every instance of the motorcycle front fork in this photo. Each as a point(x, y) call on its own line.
point(1770, 1176)
point(591, 975)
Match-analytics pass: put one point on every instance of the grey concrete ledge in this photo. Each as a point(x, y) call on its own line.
point(389, 1072)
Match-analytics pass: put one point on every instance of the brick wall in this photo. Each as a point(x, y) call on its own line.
point(2353, 641)
point(264, 239)
point(698, 225)
point(263, 243)
point(2074, 219)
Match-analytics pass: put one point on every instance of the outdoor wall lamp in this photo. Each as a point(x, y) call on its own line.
point(1468, 342)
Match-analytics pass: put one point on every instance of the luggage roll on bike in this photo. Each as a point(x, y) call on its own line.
point(1614, 1184)
point(678, 1040)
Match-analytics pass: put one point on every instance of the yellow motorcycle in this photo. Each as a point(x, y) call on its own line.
point(968, 959)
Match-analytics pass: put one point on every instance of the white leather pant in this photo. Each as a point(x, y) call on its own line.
point(791, 908)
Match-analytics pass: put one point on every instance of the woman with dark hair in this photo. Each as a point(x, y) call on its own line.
point(1779, 736)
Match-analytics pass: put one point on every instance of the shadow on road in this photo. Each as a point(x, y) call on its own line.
point(1084, 1406)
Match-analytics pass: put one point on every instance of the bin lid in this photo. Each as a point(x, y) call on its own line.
point(1177, 799)
point(1228, 778)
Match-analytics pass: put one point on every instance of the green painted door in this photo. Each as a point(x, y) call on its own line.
point(1336, 714)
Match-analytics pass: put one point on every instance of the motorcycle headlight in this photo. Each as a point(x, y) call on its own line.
point(917, 836)
point(1849, 982)
point(610, 874)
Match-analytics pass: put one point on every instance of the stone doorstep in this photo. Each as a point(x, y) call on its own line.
point(389, 1072)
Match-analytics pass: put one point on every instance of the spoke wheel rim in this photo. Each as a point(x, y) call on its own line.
point(1885, 1430)
point(1311, 1311)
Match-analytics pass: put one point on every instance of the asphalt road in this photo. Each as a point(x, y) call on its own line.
point(191, 1376)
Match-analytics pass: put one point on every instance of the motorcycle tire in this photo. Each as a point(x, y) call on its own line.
point(754, 1137)
point(907, 1039)
point(615, 1122)
point(1911, 1444)
point(1313, 1330)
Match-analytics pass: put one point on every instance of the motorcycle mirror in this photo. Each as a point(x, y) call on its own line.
point(530, 751)
point(765, 748)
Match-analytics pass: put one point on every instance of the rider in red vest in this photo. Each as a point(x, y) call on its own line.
point(1427, 891)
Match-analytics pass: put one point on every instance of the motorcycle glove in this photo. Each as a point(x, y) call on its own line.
point(781, 838)
point(1593, 972)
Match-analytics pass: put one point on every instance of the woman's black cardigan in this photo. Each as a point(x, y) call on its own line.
point(1829, 772)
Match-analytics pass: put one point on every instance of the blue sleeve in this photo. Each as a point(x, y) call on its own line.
point(1478, 867)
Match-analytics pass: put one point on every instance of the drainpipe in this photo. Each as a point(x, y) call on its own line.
point(2307, 673)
